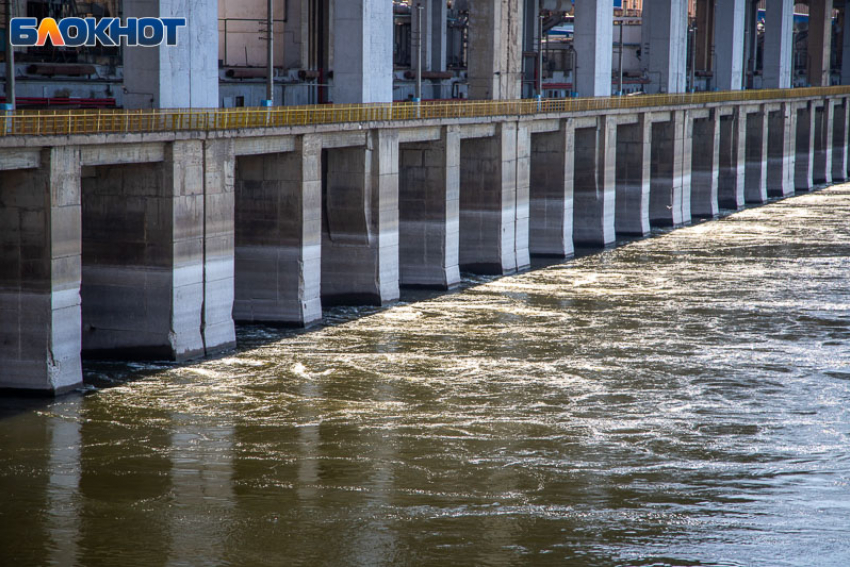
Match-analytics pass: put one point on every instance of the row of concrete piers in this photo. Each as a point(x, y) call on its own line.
point(153, 245)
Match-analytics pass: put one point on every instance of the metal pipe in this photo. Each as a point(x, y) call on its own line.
point(693, 58)
point(270, 53)
point(10, 59)
point(419, 10)
point(621, 59)
point(540, 58)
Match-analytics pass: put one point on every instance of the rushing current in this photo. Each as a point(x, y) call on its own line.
point(679, 400)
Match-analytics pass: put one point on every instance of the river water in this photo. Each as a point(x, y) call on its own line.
point(679, 400)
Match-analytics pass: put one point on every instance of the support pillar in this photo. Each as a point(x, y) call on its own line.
point(180, 76)
point(670, 170)
point(429, 212)
point(360, 250)
point(593, 40)
point(822, 172)
point(40, 247)
point(143, 256)
point(729, 44)
point(805, 148)
point(278, 236)
point(363, 58)
point(664, 45)
point(594, 189)
point(845, 46)
point(634, 158)
point(705, 34)
point(840, 129)
point(495, 49)
point(705, 166)
point(755, 175)
point(552, 156)
point(488, 204)
point(733, 136)
point(778, 44)
point(820, 42)
point(781, 149)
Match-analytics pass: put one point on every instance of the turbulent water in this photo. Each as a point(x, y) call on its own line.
point(679, 400)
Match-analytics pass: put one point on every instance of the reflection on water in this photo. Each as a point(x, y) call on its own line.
point(682, 400)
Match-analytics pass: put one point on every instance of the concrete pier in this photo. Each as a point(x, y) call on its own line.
point(429, 211)
point(733, 140)
point(705, 165)
point(781, 150)
point(841, 130)
point(755, 175)
point(822, 168)
point(634, 159)
point(594, 190)
point(670, 171)
point(805, 148)
point(551, 191)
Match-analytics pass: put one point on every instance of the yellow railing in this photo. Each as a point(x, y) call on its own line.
point(65, 122)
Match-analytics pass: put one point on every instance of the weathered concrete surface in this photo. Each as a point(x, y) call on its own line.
point(781, 149)
point(670, 171)
point(363, 63)
point(40, 276)
point(664, 39)
point(778, 44)
point(634, 160)
point(733, 136)
point(278, 236)
point(495, 49)
point(429, 212)
point(729, 44)
point(360, 231)
point(182, 76)
point(594, 189)
point(594, 30)
point(552, 157)
point(755, 176)
point(820, 42)
point(705, 166)
point(840, 130)
point(805, 148)
point(822, 167)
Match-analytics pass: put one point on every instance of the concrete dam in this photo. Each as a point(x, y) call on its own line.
point(149, 234)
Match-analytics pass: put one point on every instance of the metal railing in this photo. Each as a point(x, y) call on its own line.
point(105, 121)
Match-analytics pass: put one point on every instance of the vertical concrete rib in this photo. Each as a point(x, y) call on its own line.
point(594, 30)
point(634, 157)
point(705, 166)
point(733, 135)
point(804, 147)
point(363, 67)
point(429, 209)
point(594, 189)
point(778, 44)
point(552, 156)
point(278, 236)
point(40, 251)
point(840, 120)
point(781, 149)
point(820, 42)
point(822, 169)
point(755, 176)
point(664, 39)
point(729, 44)
point(670, 172)
point(488, 203)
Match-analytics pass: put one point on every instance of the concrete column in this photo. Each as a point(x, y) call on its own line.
point(664, 42)
point(840, 129)
point(805, 148)
point(778, 44)
point(523, 196)
point(40, 247)
point(822, 171)
point(820, 42)
point(360, 246)
point(434, 28)
point(705, 34)
point(143, 256)
point(594, 188)
point(593, 40)
point(181, 76)
point(705, 166)
point(781, 148)
point(552, 156)
point(429, 212)
point(495, 49)
point(729, 44)
point(219, 238)
point(670, 170)
point(845, 46)
point(278, 236)
point(363, 66)
point(733, 140)
point(755, 175)
point(634, 156)
point(488, 203)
